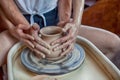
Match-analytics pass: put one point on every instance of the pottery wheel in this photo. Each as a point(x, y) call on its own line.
point(65, 65)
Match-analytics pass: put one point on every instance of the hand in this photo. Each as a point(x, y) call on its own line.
point(42, 77)
point(68, 40)
point(21, 32)
point(41, 47)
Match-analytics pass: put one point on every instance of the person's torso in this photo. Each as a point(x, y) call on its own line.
point(36, 6)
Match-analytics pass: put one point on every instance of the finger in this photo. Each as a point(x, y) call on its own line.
point(43, 77)
point(67, 27)
point(39, 53)
point(23, 27)
point(39, 77)
point(70, 48)
point(43, 43)
point(61, 23)
point(50, 78)
point(41, 48)
point(61, 40)
point(35, 26)
point(73, 31)
point(71, 20)
point(64, 45)
point(55, 46)
point(38, 39)
point(27, 36)
point(33, 32)
point(24, 35)
point(28, 43)
point(65, 38)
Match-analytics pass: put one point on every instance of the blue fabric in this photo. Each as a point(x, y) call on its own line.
point(51, 18)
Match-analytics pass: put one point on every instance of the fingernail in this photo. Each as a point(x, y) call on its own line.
point(33, 46)
point(61, 54)
point(43, 56)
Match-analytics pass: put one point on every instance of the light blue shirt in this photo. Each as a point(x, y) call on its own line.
point(38, 7)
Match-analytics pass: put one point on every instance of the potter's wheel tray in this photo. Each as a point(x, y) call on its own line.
point(62, 66)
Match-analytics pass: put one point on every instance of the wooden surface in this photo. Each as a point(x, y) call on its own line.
point(103, 14)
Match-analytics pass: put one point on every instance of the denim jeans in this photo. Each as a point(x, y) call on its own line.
point(51, 18)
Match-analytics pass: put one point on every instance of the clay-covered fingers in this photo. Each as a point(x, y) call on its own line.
point(39, 49)
point(64, 45)
point(26, 38)
point(69, 30)
point(66, 40)
point(28, 43)
point(42, 77)
point(35, 33)
point(34, 30)
point(68, 50)
point(62, 40)
point(38, 53)
point(21, 34)
point(42, 43)
point(35, 26)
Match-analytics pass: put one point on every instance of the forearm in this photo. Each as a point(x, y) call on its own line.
point(12, 12)
point(64, 9)
point(5, 23)
point(78, 6)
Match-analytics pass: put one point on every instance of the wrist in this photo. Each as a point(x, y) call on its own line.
point(62, 23)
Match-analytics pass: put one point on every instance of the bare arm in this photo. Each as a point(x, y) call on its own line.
point(12, 12)
point(5, 24)
point(64, 10)
point(78, 6)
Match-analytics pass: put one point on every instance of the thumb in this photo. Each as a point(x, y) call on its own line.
point(23, 27)
point(35, 26)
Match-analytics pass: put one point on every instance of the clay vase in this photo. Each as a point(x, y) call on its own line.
point(50, 34)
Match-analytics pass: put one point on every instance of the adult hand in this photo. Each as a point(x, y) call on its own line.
point(68, 40)
point(21, 32)
point(41, 47)
point(42, 77)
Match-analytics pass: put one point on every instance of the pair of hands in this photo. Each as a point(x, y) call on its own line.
point(29, 36)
